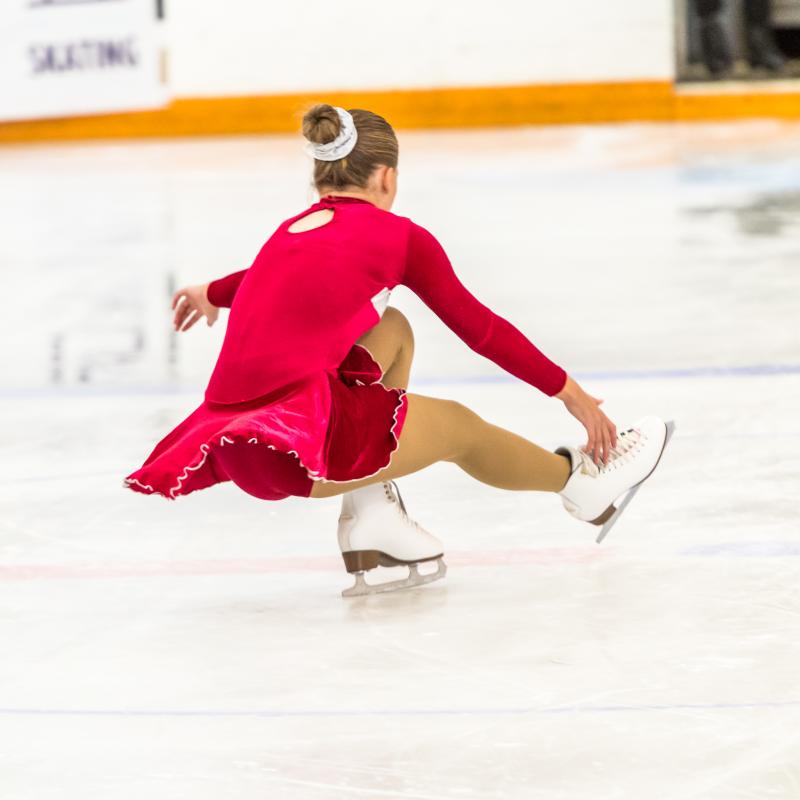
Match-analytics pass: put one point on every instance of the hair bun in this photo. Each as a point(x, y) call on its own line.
point(321, 124)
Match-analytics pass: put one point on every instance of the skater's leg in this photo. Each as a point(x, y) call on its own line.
point(500, 458)
point(446, 430)
point(391, 344)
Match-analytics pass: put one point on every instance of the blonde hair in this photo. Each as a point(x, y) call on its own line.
point(377, 144)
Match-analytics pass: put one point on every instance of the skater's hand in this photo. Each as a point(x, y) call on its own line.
point(601, 430)
point(190, 304)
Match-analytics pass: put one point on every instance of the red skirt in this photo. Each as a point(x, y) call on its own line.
point(337, 425)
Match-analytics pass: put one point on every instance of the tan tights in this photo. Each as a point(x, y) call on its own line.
point(446, 430)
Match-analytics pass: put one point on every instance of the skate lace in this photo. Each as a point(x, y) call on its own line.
point(393, 493)
point(628, 444)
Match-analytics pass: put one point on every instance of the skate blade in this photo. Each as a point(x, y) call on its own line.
point(361, 587)
point(612, 520)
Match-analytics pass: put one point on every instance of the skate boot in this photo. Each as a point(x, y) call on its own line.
point(591, 492)
point(375, 530)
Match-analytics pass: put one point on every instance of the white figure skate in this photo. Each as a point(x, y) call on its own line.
point(591, 492)
point(375, 530)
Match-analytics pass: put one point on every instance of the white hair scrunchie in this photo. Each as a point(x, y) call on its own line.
point(342, 145)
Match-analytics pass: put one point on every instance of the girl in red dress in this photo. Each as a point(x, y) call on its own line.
point(308, 396)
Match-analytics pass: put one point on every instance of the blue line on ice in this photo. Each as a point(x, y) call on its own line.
point(748, 371)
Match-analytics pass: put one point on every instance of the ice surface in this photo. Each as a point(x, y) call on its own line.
point(200, 649)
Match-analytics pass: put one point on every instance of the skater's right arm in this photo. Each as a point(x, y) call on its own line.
point(193, 302)
point(220, 293)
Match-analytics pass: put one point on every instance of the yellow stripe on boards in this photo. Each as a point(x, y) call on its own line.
point(550, 104)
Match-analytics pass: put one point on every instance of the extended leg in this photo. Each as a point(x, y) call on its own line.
point(446, 430)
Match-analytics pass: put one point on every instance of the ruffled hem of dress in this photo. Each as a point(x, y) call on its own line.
point(205, 448)
point(175, 491)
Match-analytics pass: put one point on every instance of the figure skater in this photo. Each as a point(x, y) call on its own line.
point(308, 396)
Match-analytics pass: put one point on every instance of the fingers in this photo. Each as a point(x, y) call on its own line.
point(600, 452)
point(601, 432)
point(193, 317)
point(177, 296)
point(599, 444)
point(606, 443)
point(609, 431)
point(188, 311)
point(591, 445)
point(181, 313)
point(612, 430)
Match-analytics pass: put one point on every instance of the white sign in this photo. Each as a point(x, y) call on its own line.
point(72, 57)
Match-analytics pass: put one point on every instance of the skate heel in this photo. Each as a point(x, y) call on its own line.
point(361, 560)
point(605, 516)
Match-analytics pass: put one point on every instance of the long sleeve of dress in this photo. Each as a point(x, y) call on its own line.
point(221, 292)
point(430, 275)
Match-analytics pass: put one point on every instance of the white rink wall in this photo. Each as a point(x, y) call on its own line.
point(252, 47)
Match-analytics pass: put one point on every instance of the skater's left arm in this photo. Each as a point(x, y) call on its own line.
point(430, 275)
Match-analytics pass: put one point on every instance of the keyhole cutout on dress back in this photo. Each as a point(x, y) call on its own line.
point(316, 219)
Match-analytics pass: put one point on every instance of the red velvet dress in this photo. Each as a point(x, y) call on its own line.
point(292, 398)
